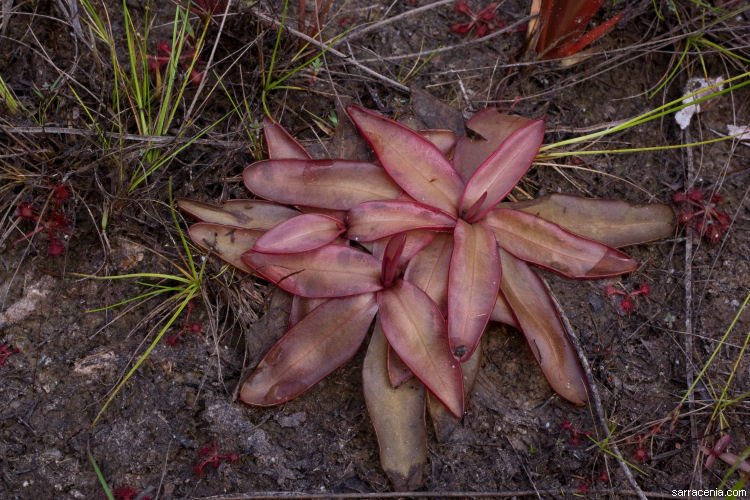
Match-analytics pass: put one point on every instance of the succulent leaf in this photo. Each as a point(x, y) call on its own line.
point(412, 161)
point(473, 283)
point(416, 330)
point(300, 234)
point(615, 223)
point(443, 139)
point(499, 174)
point(429, 269)
point(374, 220)
point(280, 144)
point(397, 416)
point(324, 340)
point(247, 214)
point(533, 239)
point(538, 319)
point(226, 242)
point(502, 312)
point(329, 271)
point(329, 184)
point(487, 131)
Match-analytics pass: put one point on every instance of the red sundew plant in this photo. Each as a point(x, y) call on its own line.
point(158, 62)
point(54, 224)
point(7, 351)
point(423, 241)
point(481, 23)
point(213, 457)
point(698, 210)
point(627, 304)
point(575, 440)
point(186, 327)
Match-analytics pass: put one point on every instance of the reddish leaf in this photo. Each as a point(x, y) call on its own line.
point(301, 307)
point(228, 243)
point(544, 243)
point(497, 176)
point(612, 222)
point(413, 162)
point(502, 312)
point(391, 260)
point(398, 372)
point(415, 329)
point(489, 128)
point(374, 220)
point(280, 144)
point(247, 214)
point(429, 269)
point(580, 44)
point(324, 340)
point(415, 241)
point(331, 184)
point(329, 271)
point(443, 139)
point(397, 416)
point(473, 283)
point(443, 420)
point(300, 234)
point(541, 325)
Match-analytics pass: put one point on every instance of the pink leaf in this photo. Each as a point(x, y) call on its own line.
point(300, 234)
point(247, 214)
point(415, 329)
point(324, 340)
point(415, 241)
point(413, 162)
point(613, 222)
point(537, 316)
point(544, 243)
point(280, 144)
point(374, 220)
point(329, 271)
point(473, 283)
point(499, 174)
point(429, 269)
point(331, 184)
point(226, 242)
point(488, 129)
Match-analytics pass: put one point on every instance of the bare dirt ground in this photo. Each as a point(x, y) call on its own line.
point(518, 438)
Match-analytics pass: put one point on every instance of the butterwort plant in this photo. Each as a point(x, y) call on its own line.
point(422, 244)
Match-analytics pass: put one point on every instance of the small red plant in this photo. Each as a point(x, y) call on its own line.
point(698, 211)
point(187, 327)
point(163, 53)
point(481, 23)
point(54, 224)
point(626, 303)
point(574, 440)
point(7, 351)
point(213, 457)
point(718, 448)
point(561, 27)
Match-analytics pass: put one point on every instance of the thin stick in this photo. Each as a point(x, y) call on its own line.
point(331, 50)
point(594, 396)
point(356, 33)
point(688, 285)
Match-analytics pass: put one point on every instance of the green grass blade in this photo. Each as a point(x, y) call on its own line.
point(190, 294)
point(100, 477)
